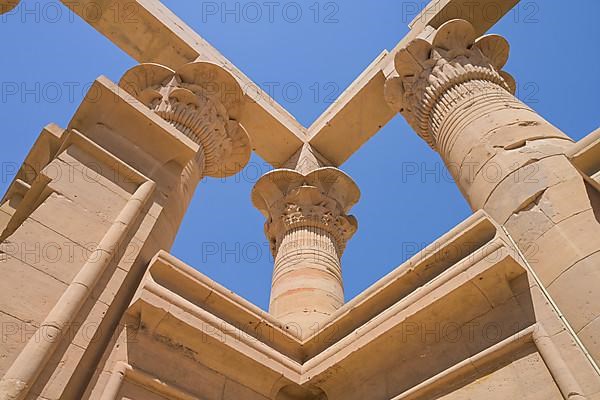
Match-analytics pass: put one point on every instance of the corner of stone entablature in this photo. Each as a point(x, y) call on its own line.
point(137, 300)
point(117, 121)
point(76, 142)
point(41, 153)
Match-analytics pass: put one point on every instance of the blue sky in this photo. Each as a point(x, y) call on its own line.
point(51, 56)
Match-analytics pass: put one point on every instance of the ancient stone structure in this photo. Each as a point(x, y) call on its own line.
point(308, 229)
point(476, 315)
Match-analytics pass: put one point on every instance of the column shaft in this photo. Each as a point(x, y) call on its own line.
point(507, 160)
point(307, 277)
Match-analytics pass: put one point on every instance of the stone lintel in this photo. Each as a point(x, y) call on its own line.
point(585, 154)
point(361, 111)
point(149, 32)
point(482, 14)
point(177, 277)
point(452, 292)
point(476, 236)
point(358, 114)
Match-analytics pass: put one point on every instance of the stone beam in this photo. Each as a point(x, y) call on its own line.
point(358, 114)
point(361, 111)
point(585, 154)
point(149, 32)
point(482, 14)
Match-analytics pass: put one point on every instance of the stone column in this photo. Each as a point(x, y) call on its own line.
point(308, 228)
point(507, 160)
point(131, 210)
point(204, 102)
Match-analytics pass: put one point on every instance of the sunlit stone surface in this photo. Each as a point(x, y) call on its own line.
point(503, 306)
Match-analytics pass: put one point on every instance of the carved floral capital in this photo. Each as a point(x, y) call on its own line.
point(428, 69)
point(322, 198)
point(204, 102)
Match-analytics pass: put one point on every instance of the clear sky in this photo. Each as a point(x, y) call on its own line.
point(305, 53)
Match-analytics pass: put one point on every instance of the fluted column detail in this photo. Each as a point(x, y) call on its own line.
point(308, 228)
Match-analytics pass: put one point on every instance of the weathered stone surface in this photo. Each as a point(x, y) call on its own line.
point(524, 378)
point(93, 307)
point(46, 250)
point(15, 333)
point(27, 293)
point(577, 292)
point(573, 239)
point(506, 159)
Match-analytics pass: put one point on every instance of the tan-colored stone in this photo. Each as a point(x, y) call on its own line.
point(48, 251)
point(573, 239)
point(27, 293)
point(14, 334)
point(577, 292)
point(307, 227)
point(505, 158)
point(471, 316)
